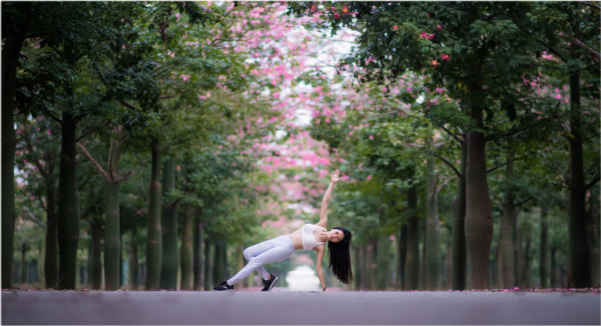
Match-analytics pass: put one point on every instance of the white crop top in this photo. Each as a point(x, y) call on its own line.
point(308, 238)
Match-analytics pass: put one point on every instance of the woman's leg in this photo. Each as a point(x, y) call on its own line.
point(254, 251)
point(268, 252)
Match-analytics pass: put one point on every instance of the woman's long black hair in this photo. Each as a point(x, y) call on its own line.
point(340, 257)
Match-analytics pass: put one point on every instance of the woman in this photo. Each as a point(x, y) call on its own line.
point(309, 236)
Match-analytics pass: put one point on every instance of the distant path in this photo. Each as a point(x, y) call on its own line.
point(268, 308)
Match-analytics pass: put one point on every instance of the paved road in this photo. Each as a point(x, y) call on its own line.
point(269, 308)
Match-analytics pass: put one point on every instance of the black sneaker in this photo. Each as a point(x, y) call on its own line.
point(270, 283)
point(223, 287)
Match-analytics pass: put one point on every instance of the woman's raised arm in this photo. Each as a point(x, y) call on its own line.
point(323, 213)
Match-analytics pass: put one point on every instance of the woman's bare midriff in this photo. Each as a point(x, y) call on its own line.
point(297, 239)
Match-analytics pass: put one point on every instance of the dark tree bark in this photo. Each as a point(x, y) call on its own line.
point(133, 260)
point(593, 236)
point(208, 276)
point(68, 204)
point(170, 261)
point(432, 249)
point(459, 243)
point(506, 268)
point(382, 260)
point(412, 263)
point(187, 250)
point(51, 246)
point(544, 250)
point(11, 48)
point(95, 260)
point(579, 257)
point(199, 271)
point(402, 255)
point(478, 220)
point(154, 243)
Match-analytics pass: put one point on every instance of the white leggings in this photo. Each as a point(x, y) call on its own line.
point(264, 253)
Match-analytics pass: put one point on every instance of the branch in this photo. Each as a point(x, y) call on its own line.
point(445, 183)
point(591, 5)
point(453, 135)
point(87, 133)
point(35, 219)
point(447, 162)
point(42, 203)
point(35, 161)
point(516, 131)
point(498, 167)
point(60, 122)
point(105, 82)
point(553, 51)
point(523, 201)
point(96, 164)
point(592, 183)
point(562, 186)
point(584, 47)
point(131, 106)
point(125, 176)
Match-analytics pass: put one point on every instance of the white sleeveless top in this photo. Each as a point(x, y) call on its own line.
point(308, 239)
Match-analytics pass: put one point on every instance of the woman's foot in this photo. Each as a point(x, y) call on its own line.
point(270, 283)
point(223, 287)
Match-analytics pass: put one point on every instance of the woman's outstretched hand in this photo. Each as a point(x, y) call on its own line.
point(336, 176)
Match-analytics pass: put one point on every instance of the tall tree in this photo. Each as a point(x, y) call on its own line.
point(475, 50)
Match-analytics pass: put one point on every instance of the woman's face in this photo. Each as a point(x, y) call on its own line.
point(335, 235)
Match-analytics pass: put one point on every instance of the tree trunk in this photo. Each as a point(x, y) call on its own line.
point(68, 204)
point(506, 266)
point(154, 243)
point(478, 220)
point(186, 250)
point(199, 271)
point(112, 238)
point(369, 270)
point(402, 256)
point(553, 280)
point(364, 268)
point(133, 260)
point(459, 243)
point(95, 260)
point(23, 266)
point(51, 249)
point(357, 261)
point(593, 221)
point(579, 257)
point(219, 268)
point(544, 251)
point(170, 262)
point(10, 60)
point(525, 264)
point(432, 229)
point(382, 262)
point(412, 260)
point(449, 268)
point(208, 276)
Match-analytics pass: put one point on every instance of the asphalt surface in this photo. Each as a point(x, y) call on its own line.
point(298, 308)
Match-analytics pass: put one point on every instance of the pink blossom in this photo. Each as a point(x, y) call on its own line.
point(439, 27)
point(445, 57)
point(395, 27)
point(371, 137)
